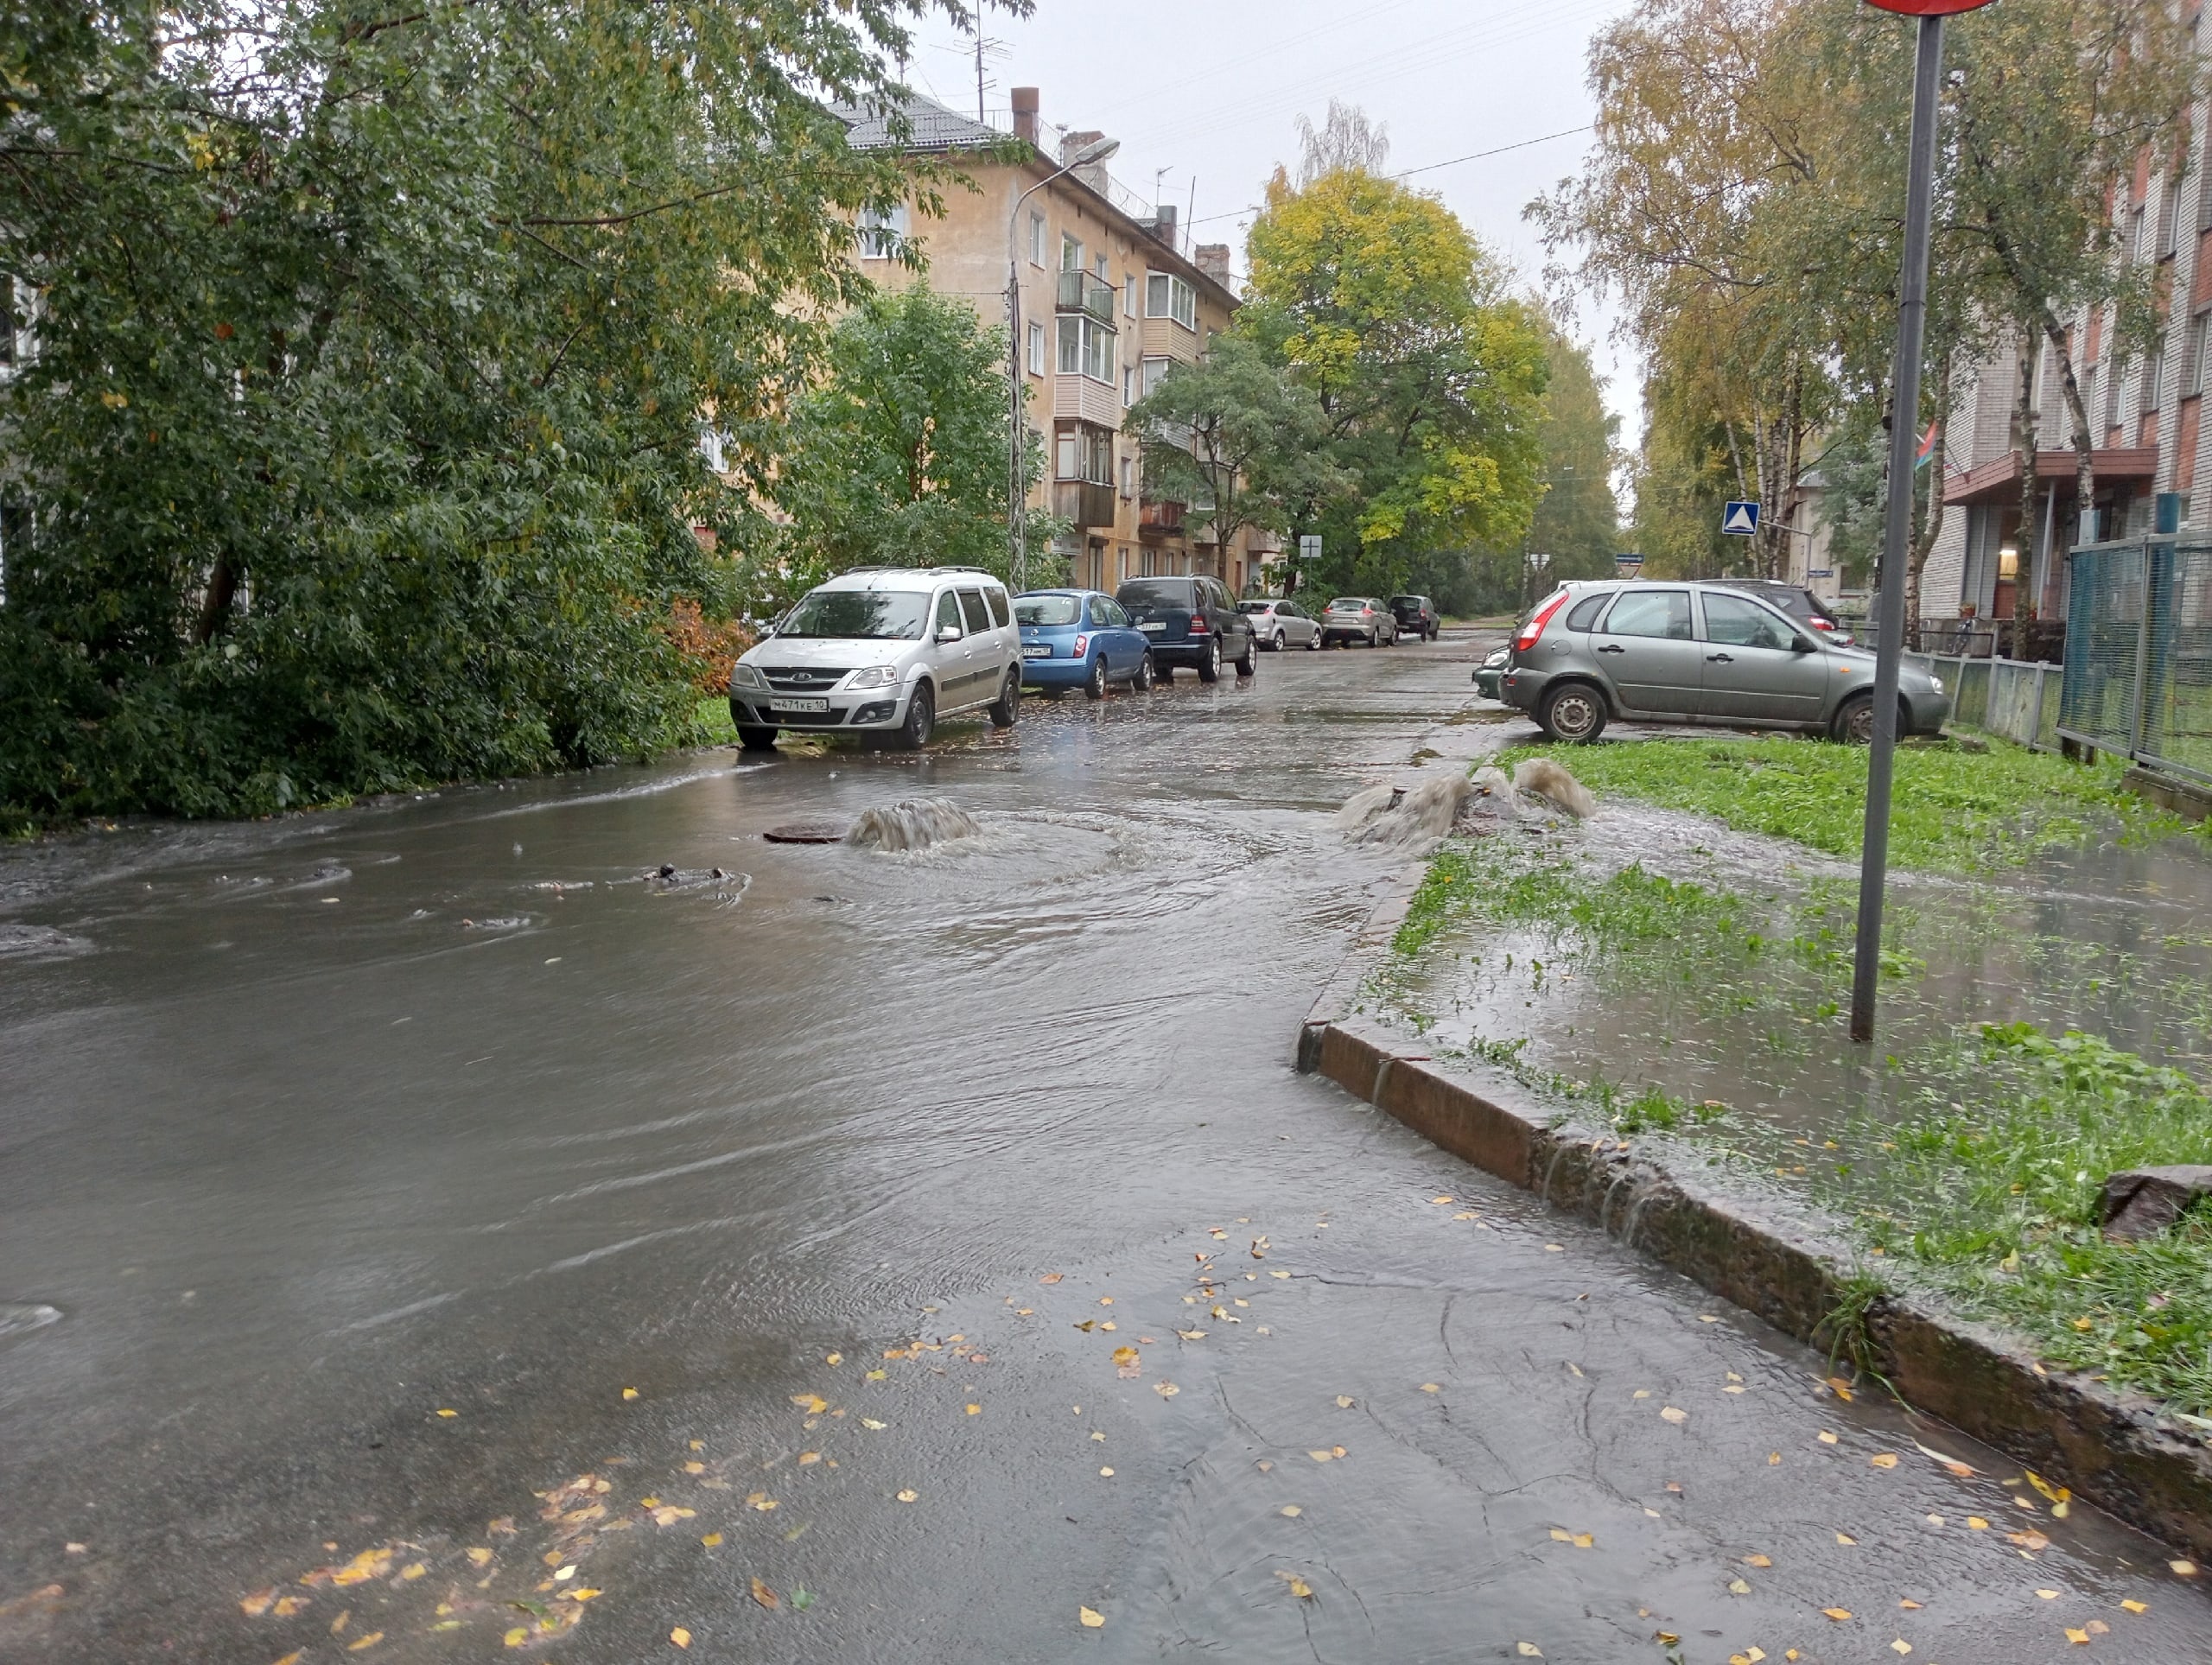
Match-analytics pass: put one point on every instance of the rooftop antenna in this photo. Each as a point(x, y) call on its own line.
point(1191, 216)
point(985, 47)
point(1157, 175)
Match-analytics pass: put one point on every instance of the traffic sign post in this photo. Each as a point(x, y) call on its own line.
point(1896, 524)
point(1628, 565)
point(1739, 518)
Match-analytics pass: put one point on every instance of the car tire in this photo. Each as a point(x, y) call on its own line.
point(1095, 688)
point(921, 719)
point(1143, 679)
point(1373, 638)
point(1250, 662)
point(1853, 722)
point(1313, 643)
point(756, 740)
point(1003, 710)
point(1572, 712)
point(1279, 643)
point(1209, 667)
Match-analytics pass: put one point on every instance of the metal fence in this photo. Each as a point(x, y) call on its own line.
point(2139, 652)
point(2017, 699)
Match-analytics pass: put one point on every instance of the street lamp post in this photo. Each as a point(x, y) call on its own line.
point(1896, 524)
point(1017, 497)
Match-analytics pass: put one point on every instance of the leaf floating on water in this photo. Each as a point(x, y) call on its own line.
point(479, 1556)
point(759, 1500)
point(1838, 1614)
point(1166, 1390)
point(1738, 1588)
point(2073, 1634)
point(1673, 1415)
point(368, 1641)
point(712, 1540)
point(413, 1570)
point(908, 1496)
point(1757, 1560)
point(255, 1605)
point(1292, 1511)
point(1900, 1646)
point(517, 1637)
point(1841, 1388)
point(975, 1410)
point(833, 1358)
point(1052, 1277)
point(812, 1404)
point(680, 1636)
point(1192, 1335)
point(669, 1514)
point(1826, 1438)
point(288, 1605)
point(292, 1658)
point(765, 1596)
point(1976, 1523)
point(2028, 1540)
point(2183, 1569)
point(1300, 1589)
point(2048, 1595)
point(1884, 1459)
point(629, 1393)
point(1321, 1456)
point(1090, 1619)
point(1529, 1650)
point(878, 1375)
point(1343, 1402)
point(2135, 1606)
point(1432, 1387)
point(1585, 1540)
point(1846, 1539)
point(447, 1413)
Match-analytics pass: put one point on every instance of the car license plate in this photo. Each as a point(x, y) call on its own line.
point(1037, 651)
point(1153, 627)
point(798, 705)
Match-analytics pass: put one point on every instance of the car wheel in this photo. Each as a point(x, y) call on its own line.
point(757, 739)
point(1250, 662)
point(1574, 712)
point(1004, 710)
point(1853, 722)
point(1279, 643)
point(1373, 638)
point(1095, 688)
point(1313, 643)
point(1142, 680)
point(921, 719)
point(1209, 667)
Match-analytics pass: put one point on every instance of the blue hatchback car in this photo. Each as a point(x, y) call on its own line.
point(1079, 638)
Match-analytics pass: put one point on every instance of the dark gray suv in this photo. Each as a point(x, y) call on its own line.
point(1700, 653)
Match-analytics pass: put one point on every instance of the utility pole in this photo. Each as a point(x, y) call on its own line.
point(1897, 523)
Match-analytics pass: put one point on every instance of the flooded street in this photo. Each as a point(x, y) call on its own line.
point(769, 1218)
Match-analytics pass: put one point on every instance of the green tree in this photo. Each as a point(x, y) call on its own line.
point(362, 441)
point(898, 457)
point(1429, 373)
point(1236, 435)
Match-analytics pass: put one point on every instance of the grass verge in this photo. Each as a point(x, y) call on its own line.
point(713, 720)
point(1952, 810)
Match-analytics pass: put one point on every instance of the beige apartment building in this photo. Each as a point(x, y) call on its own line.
point(1111, 293)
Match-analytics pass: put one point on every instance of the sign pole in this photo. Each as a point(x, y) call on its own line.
point(1896, 526)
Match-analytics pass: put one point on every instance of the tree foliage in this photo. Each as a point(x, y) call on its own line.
point(899, 456)
point(1427, 373)
point(360, 447)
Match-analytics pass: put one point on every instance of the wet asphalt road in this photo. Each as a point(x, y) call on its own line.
point(313, 1131)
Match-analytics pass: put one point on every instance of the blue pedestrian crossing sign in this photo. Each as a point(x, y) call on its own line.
point(1740, 519)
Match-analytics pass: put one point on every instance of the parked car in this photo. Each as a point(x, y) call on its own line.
point(1798, 602)
point(1490, 675)
point(1079, 638)
point(1416, 618)
point(1282, 623)
point(883, 649)
point(1702, 653)
point(1191, 621)
point(1352, 619)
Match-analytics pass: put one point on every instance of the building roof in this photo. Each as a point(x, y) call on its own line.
point(935, 128)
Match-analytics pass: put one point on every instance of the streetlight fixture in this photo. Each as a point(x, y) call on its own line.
point(1017, 500)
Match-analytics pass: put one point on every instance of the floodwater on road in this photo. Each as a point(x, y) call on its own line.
point(425, 1227)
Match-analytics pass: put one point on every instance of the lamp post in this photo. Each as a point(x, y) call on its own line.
point(1017, 488)
point(1896, 524)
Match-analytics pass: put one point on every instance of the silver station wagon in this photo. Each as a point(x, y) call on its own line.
point(1696, 653)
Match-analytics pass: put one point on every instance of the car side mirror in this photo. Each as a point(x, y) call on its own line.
point(948, 633)
point(1799, 645)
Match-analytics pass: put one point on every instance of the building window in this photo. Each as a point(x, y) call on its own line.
point(1099, 267)
point(1036, 349)
point(1128, 383)
point(2192, 357)
point(1168, 296)
point(1086, 454)
point(1155, 370)
point(1129, 296)
point(1036, 239)
point(1128, 477)
point(1070, 252)
point(2154, 371)
point(1087, 349)
point(880, 230)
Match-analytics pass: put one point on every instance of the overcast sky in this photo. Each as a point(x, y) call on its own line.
point(1210, 91)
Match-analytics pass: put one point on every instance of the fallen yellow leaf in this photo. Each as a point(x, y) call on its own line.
point(1166, 1390)
point(514, 1638)
point(2183, 1569)
point(765, 1596)
point(2048, 1595)
point(1884, 1459)
point(1669, 1414)
point(288, 1605)
point(669, 1514)
point(2135, 1606)
point(908, 1496)
point(368, 1641)
point(1320, 1456)
point(871, 1424)
point(413, 1570)
point(586, 1594)
point(1432, 1387)
point(1838, 1614)
point(1844, 1538)
point(1977, 1523)
point(1293, 1511)
point(479, 1556)
point(292, 1658)
point(680, 1636)
point(834, 1358)
point(975, 1410)
point(712, 1540)
point(2073, 1634)
point(695, 1468)
point(1302, 1590)
point(1090, 1619)
point(445, 1413)
point(1757, 1561)
point(1737, 1587)
point(629, 1393)
point(1529, 1650)
point(1343, 1403)
point(1907, 1601)
point(1108, 1472)
point(813, 1404)
point(255, 1605)
point(1584, 1540)
point(1900, 1646)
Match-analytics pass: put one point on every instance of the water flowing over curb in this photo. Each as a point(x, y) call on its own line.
point(1784, 1262)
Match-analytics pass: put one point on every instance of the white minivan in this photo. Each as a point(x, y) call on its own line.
point(882, 650)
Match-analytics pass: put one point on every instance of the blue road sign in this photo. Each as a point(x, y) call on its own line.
point(1628, 565)
point(1740, 519)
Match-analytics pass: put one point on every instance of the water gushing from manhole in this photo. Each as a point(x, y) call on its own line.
point(912, 824)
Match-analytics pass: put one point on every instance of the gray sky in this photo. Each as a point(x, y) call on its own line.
point(1212, 89)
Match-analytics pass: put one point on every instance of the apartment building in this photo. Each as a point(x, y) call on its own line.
point(1111, 293)
point(2151, 445)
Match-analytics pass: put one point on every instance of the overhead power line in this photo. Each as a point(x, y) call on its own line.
point(1431, 166)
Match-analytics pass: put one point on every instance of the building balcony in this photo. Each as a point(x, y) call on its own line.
point(1085, 503)
point(1080, 292)
point(1158, 519)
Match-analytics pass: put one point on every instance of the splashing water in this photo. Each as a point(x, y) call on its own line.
point(912, 824)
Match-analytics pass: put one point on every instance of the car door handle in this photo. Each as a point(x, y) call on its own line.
point(1720, 658)
point(1612, 647)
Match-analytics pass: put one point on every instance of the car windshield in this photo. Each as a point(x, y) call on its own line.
point(888, 615)
point(1046, 609)
point(1148, 593)
point(1257, 606)
point(1347, 604)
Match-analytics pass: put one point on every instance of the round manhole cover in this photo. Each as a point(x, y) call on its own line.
point(806, 832)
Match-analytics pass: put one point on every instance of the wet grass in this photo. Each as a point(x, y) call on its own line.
point(713, 720)
point(1952, 810)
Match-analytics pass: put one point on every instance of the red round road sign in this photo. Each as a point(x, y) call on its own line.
point(1928, 8)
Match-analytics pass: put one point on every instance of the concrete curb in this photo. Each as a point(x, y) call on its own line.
point(1789, 1266)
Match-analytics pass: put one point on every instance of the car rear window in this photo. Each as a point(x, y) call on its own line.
point(1583, 614)
point(971, 603)
point(997, 600)
point(1156, 593)
point(1257, 606)
point(1348, 604)
point(1047, 609)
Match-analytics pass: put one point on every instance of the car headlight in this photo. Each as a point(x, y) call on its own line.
point(1936, 683)
point(744, 676)
point(876, 676)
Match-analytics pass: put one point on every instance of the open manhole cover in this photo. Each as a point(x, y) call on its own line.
point(806, 832)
